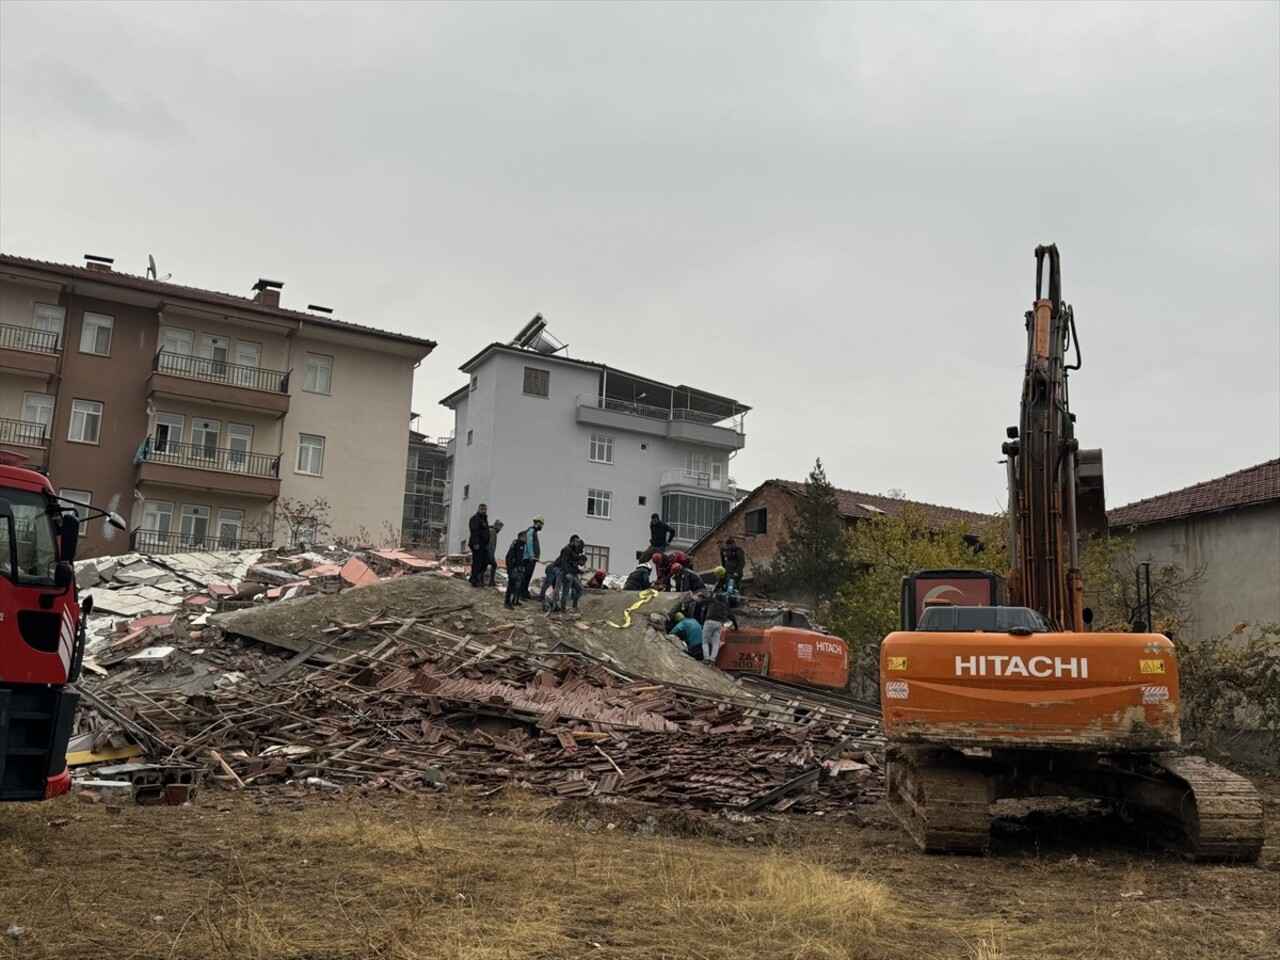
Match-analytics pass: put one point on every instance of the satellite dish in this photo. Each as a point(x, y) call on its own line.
point(151, 266)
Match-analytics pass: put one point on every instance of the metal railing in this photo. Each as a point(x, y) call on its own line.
point(204, 457)
point(703, 481)
point(29, 339)
point(168, 541)
point(659, 413)
point(689, 531)
point(216, 371)
point(22, 433)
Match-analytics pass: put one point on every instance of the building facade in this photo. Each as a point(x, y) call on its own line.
point(199, 416)
point(592, 449)
point(1228, 528)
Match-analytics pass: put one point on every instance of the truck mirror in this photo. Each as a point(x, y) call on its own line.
point(64, 575)
point(69, 530)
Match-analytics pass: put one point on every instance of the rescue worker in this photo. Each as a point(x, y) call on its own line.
point(726, 587)
point(639, 578)
point(568, 585)
point(515, 571)
point(532, 554)
point(688, 631)
point(597, 581)
point(661, 572)
point(489, 573)
point(660, 535)
point(684, 579)
point(733, 560)
point(717, 612)
point(478, 541)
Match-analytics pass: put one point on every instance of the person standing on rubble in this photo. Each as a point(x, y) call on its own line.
point(479, 544)
point(568, 582)
point(489, 573)
point(733, 560)
point(515, 571)
point(660, 535)
point(689, 632)
point(532, 554)
point(717, 613)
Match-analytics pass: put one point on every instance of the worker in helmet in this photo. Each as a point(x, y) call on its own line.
point(532, 553)
point(716, 614)
point(689, 632)
point(639, 578)
point(684, 579)
point(597, 581)
point(661, 571)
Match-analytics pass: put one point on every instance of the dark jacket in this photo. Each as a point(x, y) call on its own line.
point(571, 559)
point(638, 579)
point(515, 556)
point(718, 609)
point(686, 581)
point(734, 561)
point(479, 532)
point(660, 535)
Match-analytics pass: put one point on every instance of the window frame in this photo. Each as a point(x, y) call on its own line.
point(46, 424)
point(470, 437)
point(599, 497)
point(93, 321)
point(311, 368)
point(42, 317)
point(763, 514)
point(605, 443)
point(532, 377)
point(297, 463)
point(71, 423)
point(597, 557)
point(66, 493)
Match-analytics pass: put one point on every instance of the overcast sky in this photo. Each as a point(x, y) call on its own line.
point(825, 211)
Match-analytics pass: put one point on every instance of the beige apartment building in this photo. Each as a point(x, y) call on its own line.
point(195, 414)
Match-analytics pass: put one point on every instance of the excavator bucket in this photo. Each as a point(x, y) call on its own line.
point(1091, 497)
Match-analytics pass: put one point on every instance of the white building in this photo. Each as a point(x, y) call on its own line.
point(592, 449)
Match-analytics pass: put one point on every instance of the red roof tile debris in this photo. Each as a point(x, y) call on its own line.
point(162, 288)
point(1244, 488)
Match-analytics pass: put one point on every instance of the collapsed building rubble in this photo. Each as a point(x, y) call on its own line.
point(400, 676)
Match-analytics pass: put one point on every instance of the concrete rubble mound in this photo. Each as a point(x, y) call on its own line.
point(388, 672)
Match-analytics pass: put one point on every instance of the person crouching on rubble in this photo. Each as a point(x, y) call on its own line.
point(639, 578)
point(597, 581)
point(716, 613)
point(688, 631)
point(515, 571)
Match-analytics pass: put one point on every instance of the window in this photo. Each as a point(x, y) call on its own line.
point(239, 443)
point(310, 454)
point(48, 319)
point(214, 352)
point(230, 523)
point(195, 525)
point(537, 383)
point(175, 350)
point(248, 356)
point(475, 382)
point(705, 471)
point(305, 531)
point(37, 410)
point(169, 427)
point(157, 517)
point(469, 433)
point(601, 449)
point(95, 334)
point(319, 378)
point(757, 521)
point(86, 421)
point(599, 503)
point(597, 557)
point(205, 435)
point(466, 490)
point(644, 446)
point(81, 497)
point(691, 515)
point(642, 500)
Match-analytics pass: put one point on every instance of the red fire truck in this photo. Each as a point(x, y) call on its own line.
point(42, 630)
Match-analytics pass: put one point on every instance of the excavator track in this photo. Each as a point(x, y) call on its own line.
point(1208, 813)
point(941, 797)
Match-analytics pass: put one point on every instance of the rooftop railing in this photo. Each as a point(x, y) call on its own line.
point(636, 409)
point(216, 371)
point(206, 457)
point(22, 433)
point(29, 339)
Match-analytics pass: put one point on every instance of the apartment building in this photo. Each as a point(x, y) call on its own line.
point(591, 448)
point(196, 414)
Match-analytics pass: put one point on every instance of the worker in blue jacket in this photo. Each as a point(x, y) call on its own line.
point(532, 553)
point(689, 631)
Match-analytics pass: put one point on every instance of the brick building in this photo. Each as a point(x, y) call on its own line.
point(759, 521)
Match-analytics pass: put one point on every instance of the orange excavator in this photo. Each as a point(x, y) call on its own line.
point(984, 701)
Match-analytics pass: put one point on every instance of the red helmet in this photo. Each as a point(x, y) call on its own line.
point(681, 556)
point(657, 559)
point(676, 568)
point(600, 573)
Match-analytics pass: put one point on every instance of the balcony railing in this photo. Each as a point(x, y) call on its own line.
point(29, 340)
point(22, 433)
point(659, 413)
point(703, 481)
point(216, 371)
point(690, 532)
point(204, 457)
point(167, 541)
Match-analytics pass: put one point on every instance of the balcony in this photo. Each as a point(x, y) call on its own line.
point(680, 480)
point(167, 541)
point(679, 423)
point(215, 469)
point(28, 349)
point(26, 438)
point(181, 377)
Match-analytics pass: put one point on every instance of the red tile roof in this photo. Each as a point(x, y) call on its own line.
point(860, 506)
point(162, 288)
point(1255, 485)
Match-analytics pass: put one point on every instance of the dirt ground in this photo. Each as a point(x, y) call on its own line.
point(468, 877)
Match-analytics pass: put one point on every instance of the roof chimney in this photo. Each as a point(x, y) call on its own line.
point(102, 264)
point(268, 292)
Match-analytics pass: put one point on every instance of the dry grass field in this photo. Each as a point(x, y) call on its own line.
point(518, 876)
